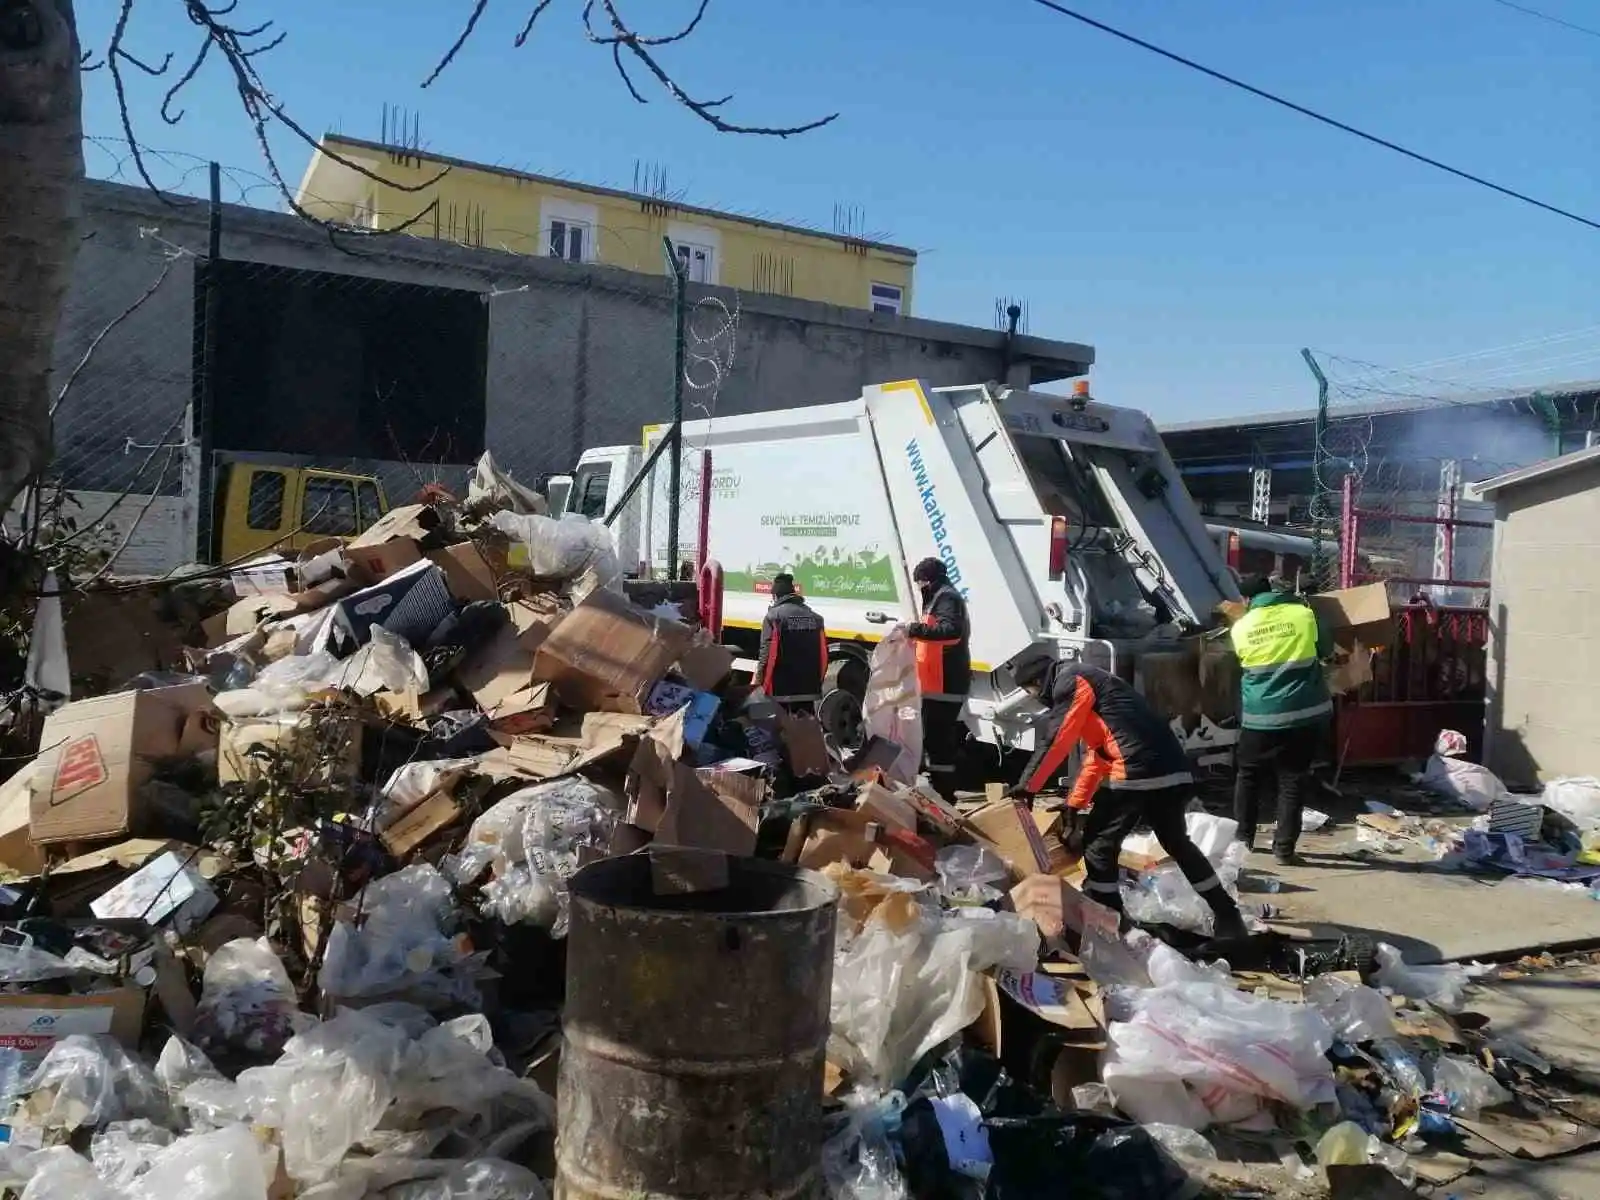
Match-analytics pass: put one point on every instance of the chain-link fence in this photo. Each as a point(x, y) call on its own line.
point(213, 402)
point(1394, 454)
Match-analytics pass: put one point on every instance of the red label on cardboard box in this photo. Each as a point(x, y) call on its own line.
point(80, 768)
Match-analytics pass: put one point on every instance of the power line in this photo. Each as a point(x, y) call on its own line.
point(1316, 116)
point(1544, 16)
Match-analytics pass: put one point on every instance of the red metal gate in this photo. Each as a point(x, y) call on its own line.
point(1432, 677)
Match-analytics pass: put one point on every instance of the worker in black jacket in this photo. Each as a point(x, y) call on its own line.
point(1133, 752)
point(794, 649)
point(944, 670)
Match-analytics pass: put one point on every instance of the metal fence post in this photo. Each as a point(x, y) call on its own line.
point(1319, 464)
point(202, 410)
point(675, 470)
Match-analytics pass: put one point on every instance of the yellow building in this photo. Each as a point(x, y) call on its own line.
point(533, 214)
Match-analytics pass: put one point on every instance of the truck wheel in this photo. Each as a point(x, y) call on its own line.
point(843, 689)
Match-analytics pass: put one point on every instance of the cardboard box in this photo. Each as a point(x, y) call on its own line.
point(886, 807)
point(378, 562)
point(439, 811)
point(500, 675)
point(411, 603)
point(1008, 828)
point(1358, 614)
point(31, 1024)
point(97, 754)
point(606, 654)
point(470, 576)
point(706, 665)
point(18, 854)
point(170, 886)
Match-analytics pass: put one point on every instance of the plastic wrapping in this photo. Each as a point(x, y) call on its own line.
point(1469, 1088)
point(1355, 1013)
point(898, 994)
point(246, 1000)
point(88, 1082)
point(533, 839)
point(576, 551)
point(858, 1159)
point(893, 705)
point(968, 873)
point(1195, 1054)
point(481, 1179)
point(123, 1152)
point(402, 946)
point(1443, 986)
point(59, 1174)
point(1164, 896)
point(390, 1066)
point(386, 663)
point(284, 686)
point(490, 488)
point(1577, 799)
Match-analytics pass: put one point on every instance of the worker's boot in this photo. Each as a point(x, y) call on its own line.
point(1227, 923)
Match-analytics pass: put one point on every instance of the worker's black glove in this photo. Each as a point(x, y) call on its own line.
point(1072, 832)
point(1020, 792)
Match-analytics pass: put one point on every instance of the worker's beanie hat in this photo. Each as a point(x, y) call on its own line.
point(1252, 586)
point(929, 570)
point(783, 585)
point(1032, 672)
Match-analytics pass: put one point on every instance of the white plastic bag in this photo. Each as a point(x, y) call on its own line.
point(60, 1174)
point(1355, 1013)
point(403, 944)
point(491, 488)
point(893, 705)
point(1577, 799)
point(896, 995)
point(92, 1081)
point(228, 1164)
point(1195, 1054)
point(387, 663)
point(1469, 1088)
point(575, 551)
point(1163, 895)
point(284, 686)
point(534, 839)
point(480, 1179)
point(247, 1001)
point(967, 874)
point(1473, 785)
point(1443, 986)
point(858, 1160)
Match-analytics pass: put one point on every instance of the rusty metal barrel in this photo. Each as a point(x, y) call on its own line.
point(695, 1030)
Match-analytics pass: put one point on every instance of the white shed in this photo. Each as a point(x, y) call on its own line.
point(1543, 718)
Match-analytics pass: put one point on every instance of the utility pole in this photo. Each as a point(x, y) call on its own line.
point(1319, 463)
point(675, 468)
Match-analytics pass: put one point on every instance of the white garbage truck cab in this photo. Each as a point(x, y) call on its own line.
point(1061, 520)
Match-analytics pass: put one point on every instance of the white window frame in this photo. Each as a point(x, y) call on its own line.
point(582, 216)
point(898, 303)
point(698, 238)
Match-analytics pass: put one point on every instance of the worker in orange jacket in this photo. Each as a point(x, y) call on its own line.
point(1145, 775)
point(944, 671)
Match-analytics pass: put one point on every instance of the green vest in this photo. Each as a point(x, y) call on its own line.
point(1280, 646)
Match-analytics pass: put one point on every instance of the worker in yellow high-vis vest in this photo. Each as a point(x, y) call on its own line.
point(1284, 709)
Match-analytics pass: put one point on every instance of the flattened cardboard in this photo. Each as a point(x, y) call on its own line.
point(408, 521)
point(500, 676)
point(1052, 903)
point(18, 854)
point(803, 744)
point(1008, 826)
point(886, 807)
point(606, 654)
point(438, 811)
point(698, 816)
point(96, 755)
point(943, 818)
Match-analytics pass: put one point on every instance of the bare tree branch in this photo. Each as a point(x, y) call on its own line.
point(94, 342)
point(538, 11)
point(461, 40)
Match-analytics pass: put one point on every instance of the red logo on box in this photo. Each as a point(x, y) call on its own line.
point(80, 768)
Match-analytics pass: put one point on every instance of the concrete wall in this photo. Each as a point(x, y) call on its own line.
point(1544, 646)
point(578, 355)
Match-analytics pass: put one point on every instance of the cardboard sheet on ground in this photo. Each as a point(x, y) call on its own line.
point(1534, 1136)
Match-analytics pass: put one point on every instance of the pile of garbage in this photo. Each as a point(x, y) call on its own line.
point(289, 918)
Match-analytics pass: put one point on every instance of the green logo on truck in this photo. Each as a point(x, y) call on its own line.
point(817, 551)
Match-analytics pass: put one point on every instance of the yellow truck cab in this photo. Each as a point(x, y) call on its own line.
point(262, 507)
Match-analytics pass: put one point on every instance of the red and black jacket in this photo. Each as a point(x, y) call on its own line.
point(1126, 743)
point(794, 651)
point(941, 640)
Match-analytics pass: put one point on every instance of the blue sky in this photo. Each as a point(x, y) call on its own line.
point(1196, 236)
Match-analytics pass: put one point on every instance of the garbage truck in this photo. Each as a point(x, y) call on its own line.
point(1062, 520)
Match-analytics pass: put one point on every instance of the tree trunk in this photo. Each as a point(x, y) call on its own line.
point(41, 170)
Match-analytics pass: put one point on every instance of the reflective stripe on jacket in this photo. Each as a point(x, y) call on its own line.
point(794, 651)
point(1280, 645)
point(940, 639)
point(1126, 743)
